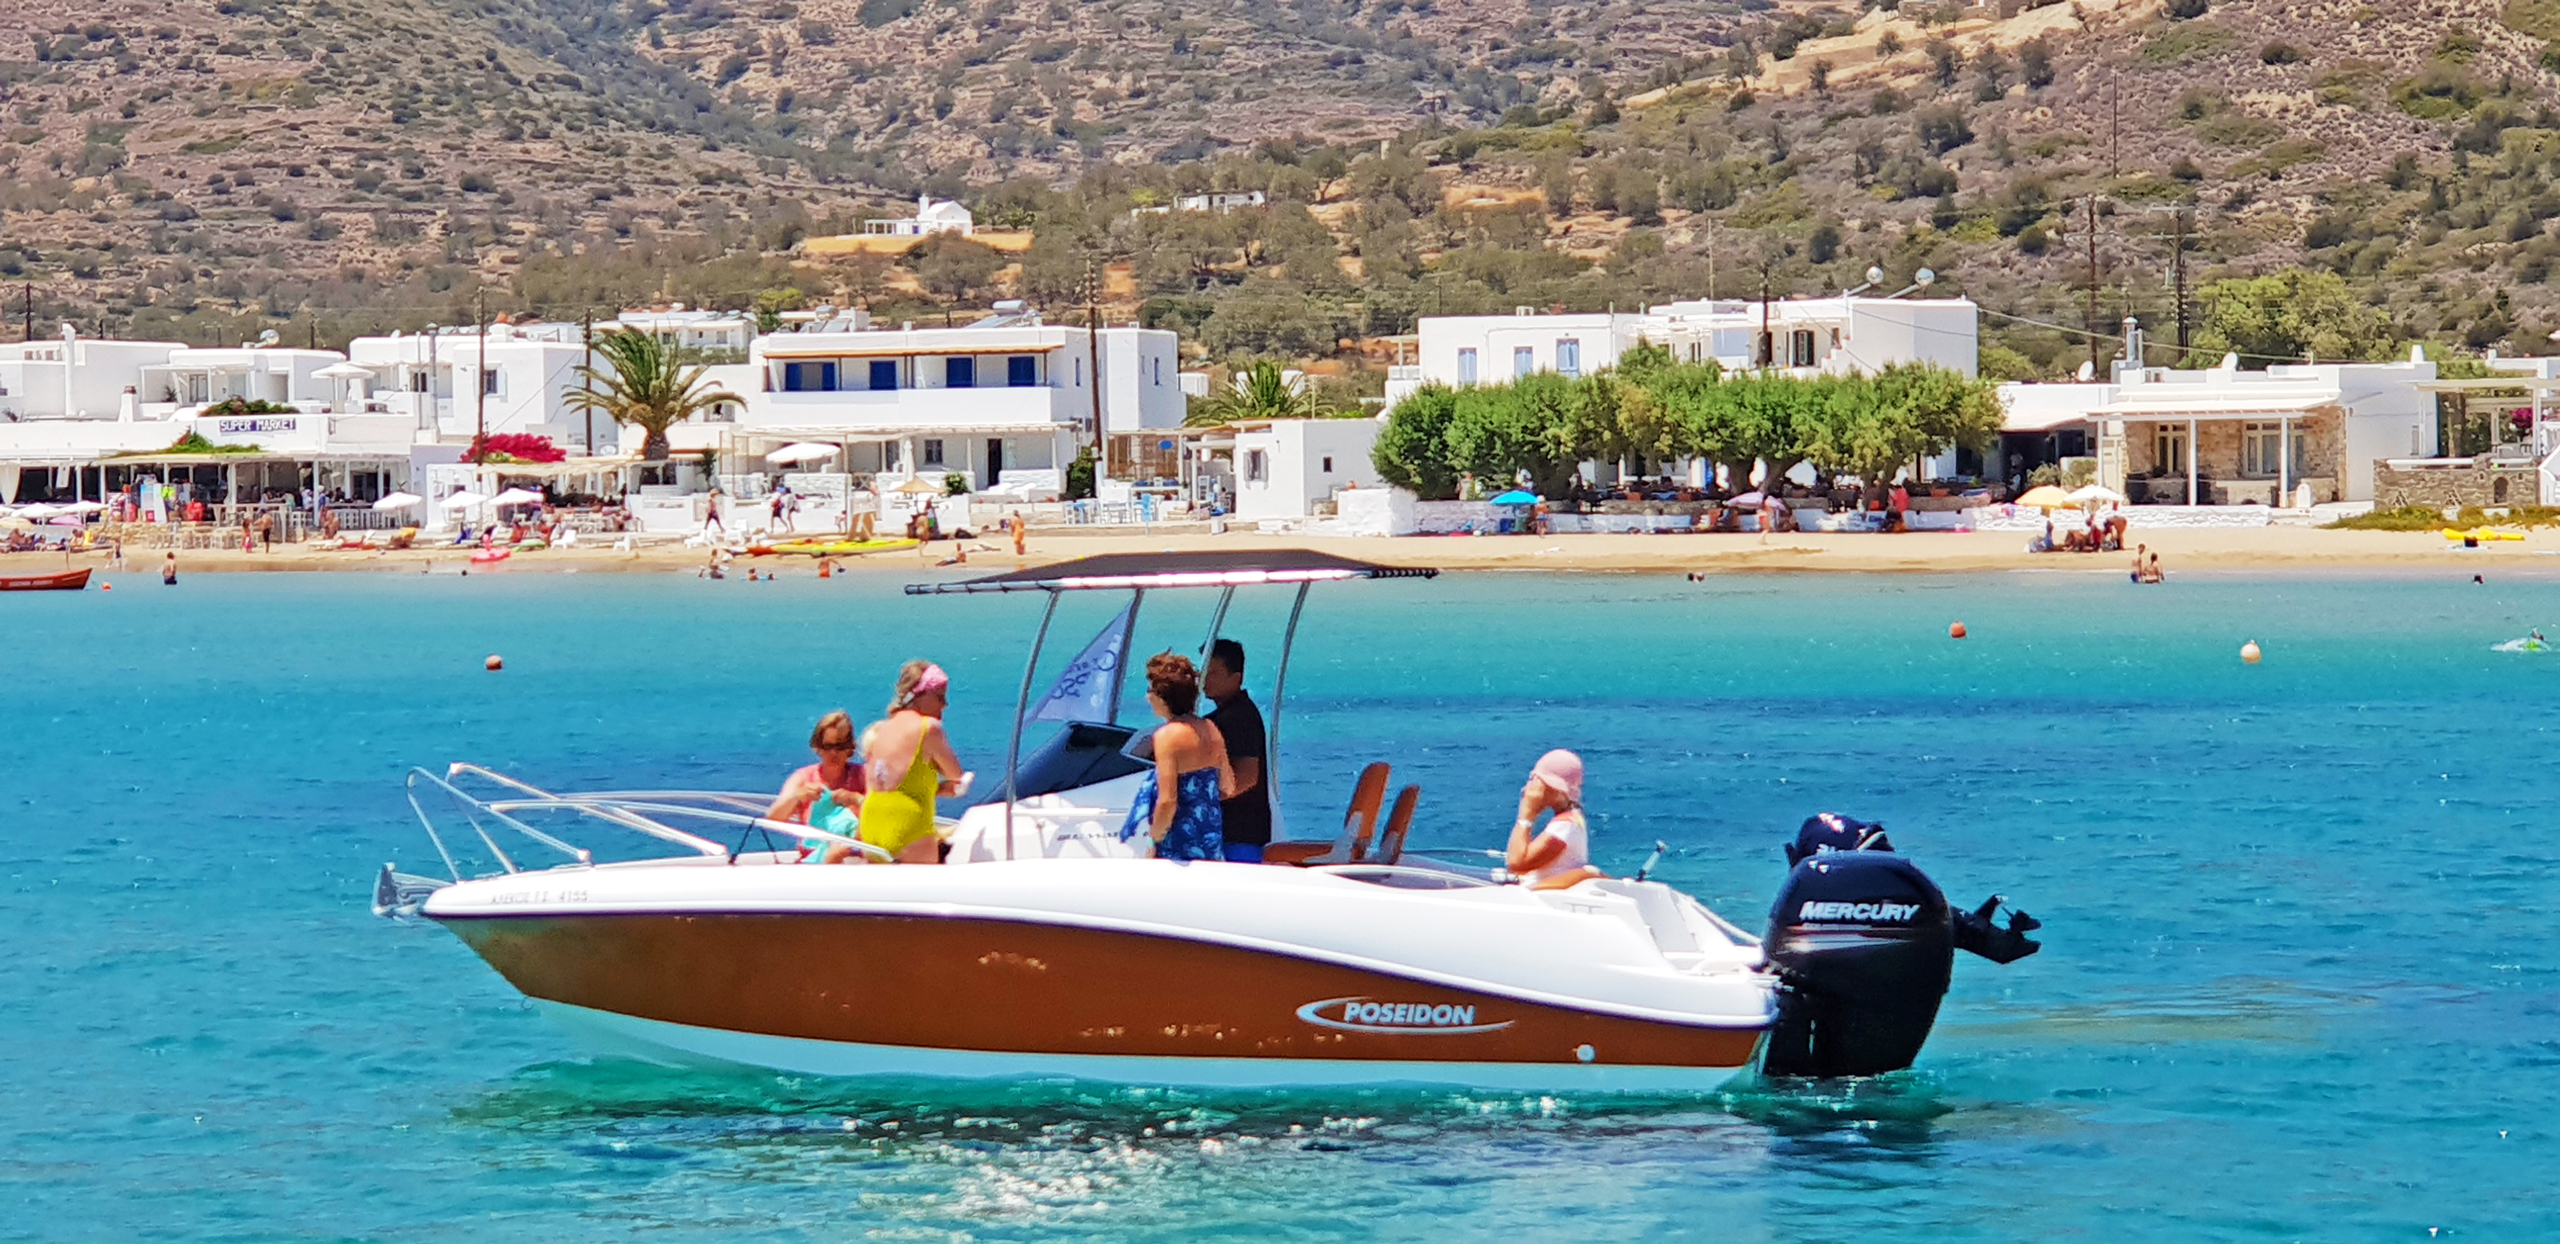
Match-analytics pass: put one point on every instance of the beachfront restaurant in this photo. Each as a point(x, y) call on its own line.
point(246, 464)
point(2288, 437)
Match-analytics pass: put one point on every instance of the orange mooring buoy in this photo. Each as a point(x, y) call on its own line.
point(494, 663)
point(2249, 653)
point(1956, 631)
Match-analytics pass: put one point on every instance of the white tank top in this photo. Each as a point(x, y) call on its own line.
point(1569, 829)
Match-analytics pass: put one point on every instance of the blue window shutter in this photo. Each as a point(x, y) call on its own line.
point(884, 373)
point(960, 372)
point(1021, 371)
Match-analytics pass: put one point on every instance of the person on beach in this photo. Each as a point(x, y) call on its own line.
point(1019, 531)
point(1178, 804)
point(711, 512)
point(2151, 571)
point(826, 795)
point(1245, 816)
point(169, 571)
point(911, 765)
point(1558, 855)
point(2138, 551)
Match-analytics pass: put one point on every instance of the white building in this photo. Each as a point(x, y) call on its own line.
point(1283, 467)
point(70, 377)
point(1006, 400)
point(2224, 436)
point(190, 378)
point(1811, 336)
point(932, 216)
point(517, 379)
point(716, 333)
point(1220, 203)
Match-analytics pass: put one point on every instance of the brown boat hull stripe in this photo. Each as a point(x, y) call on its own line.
point(1026, 987)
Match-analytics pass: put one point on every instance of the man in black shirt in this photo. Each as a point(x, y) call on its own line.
point(1248, 815)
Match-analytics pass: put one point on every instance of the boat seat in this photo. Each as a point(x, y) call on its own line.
point(1399, 821)
point(1359, 823)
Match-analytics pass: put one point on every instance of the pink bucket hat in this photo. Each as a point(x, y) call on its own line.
point(1561, 770)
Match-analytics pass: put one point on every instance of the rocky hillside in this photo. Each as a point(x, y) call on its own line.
point(205, 168)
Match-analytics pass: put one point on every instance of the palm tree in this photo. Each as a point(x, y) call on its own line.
point(647, 385)
point(1260, 391)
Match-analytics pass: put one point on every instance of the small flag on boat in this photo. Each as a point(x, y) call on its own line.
point(1083, 689)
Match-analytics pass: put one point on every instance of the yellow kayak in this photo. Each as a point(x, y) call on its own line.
point(839, 548)
point(2482, 534)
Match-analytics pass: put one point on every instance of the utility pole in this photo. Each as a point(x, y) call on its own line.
point(480, 405)
point(31, 309)
point(586, 374)
point(1093, 355)
point(2094, 361)
point(1711, 261)
point(1768, 344)
point(2178, 268)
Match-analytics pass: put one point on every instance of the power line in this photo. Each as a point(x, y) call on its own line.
point(2065, 328)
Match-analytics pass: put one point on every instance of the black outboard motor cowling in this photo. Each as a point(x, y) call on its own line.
point(1864, 945)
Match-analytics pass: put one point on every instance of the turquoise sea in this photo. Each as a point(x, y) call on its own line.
point(2301, 980)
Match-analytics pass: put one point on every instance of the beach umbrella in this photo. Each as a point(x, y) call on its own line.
point(917, 486)
point(2046, 497)
point(804, 451)
point(2097, 492)
point(398, 501)
point(517, 496)
point(39, 511)
point(84, 507)
point(463, 500)
point(1517, 496)
point(1747, 501)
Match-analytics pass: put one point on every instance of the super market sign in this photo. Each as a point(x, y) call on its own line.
point(247, 427)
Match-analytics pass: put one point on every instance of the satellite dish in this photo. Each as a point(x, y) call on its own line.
point(2088, 372)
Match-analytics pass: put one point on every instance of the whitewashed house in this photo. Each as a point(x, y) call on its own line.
point(1286, 468)
point(1809, 336)
point(1007, 400)
point(932, 216)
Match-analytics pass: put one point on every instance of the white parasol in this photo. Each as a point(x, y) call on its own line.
point(2097, 492)
point(517, 496)
point(463, 500)
point(804, 451)
point(398, 501)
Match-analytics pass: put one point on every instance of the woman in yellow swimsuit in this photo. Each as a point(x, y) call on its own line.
point(911, 764)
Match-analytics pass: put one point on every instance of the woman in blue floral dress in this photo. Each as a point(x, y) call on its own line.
point(1177, 803)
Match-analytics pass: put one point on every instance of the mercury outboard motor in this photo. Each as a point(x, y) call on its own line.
point(1864, 944)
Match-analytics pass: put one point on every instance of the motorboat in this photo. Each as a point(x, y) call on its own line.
point(57, 581)
point(1045, 946)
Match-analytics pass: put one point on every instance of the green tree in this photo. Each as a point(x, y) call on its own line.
point(645, 384)
point(1412, 450)
point(1499, 431)
point(2286, 316)
point(954, 269)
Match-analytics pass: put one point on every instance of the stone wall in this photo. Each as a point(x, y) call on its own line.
point(2476, 484)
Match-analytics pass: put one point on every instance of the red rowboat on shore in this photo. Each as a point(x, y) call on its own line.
point(61, 581)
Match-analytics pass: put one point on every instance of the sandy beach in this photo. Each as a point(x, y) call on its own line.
point(2261, 548)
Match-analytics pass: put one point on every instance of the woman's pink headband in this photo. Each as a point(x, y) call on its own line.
point(928, 682)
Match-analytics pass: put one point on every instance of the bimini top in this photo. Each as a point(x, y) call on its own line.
point(1217, 568)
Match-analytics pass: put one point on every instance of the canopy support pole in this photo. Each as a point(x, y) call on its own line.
point(1128, 630)
point(1280, 700)
point(1022, 706)
point(1216, 620)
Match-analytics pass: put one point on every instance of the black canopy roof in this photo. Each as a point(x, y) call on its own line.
point(1212, 568)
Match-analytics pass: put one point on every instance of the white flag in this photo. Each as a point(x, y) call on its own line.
point(1083, 689)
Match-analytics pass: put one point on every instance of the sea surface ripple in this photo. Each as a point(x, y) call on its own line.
point(2302, 919)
